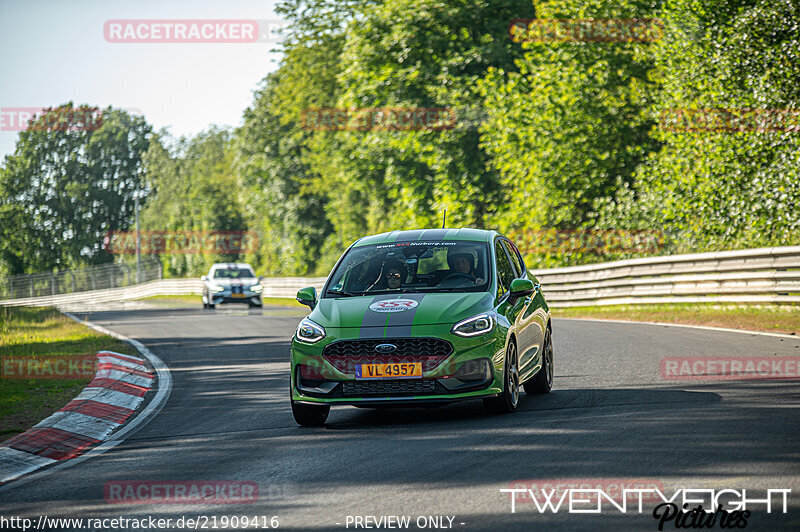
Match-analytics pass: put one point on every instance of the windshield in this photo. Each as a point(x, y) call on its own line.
point(233, 273)
point(412, 267)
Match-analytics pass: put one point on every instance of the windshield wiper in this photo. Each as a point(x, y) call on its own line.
point(341, 293)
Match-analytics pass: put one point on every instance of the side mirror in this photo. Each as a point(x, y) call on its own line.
point(520, 288)
point(308, 297)
point(203, 278)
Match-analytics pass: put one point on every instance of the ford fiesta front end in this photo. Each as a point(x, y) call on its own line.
point(422, 317)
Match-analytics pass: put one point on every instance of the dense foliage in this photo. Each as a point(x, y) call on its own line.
point(66, 185)
point(583, 149)
point(728, 174)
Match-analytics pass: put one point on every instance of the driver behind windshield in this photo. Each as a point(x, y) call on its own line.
point(464, 263)
point(391, 278)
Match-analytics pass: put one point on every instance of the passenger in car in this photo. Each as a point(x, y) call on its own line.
point(392, 276)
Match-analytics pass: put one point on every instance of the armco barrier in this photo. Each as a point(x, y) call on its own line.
point(766, 275)
point(273, 287)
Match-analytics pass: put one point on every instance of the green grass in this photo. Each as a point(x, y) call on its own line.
point(195, 300)
point(769, 318)
point(42, 332)
point(171, 299)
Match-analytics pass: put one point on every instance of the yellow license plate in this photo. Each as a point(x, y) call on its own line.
point(401, 370)
point(237, 295)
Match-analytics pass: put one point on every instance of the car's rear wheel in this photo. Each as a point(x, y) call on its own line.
point(542, 382)
point(310, 415)
point(509, 399)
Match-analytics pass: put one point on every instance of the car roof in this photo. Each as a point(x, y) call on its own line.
point(226, 265)
point(428, 235)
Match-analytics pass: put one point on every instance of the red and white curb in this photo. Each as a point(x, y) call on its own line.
point(117, 390)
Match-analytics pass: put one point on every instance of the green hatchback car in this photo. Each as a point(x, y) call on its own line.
point(422, 317)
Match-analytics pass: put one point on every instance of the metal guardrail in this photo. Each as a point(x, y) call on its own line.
point(766, 275)
point(273, 287)
point(98, 277)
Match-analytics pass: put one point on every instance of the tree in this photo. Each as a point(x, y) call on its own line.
point(727, 176)
point(412, 55)
point(193, 188)
point(70, 180)
point(570, 126)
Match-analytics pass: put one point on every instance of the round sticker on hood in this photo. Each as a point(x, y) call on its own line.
point(393, 305)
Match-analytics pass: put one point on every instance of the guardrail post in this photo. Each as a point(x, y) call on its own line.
point(52, 284)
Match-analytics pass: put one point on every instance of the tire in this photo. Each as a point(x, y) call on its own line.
point(542, 382)
point(508, 400)
point(310, 415)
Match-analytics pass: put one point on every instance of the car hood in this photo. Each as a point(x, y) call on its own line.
point(244, 281)
point(400, 309)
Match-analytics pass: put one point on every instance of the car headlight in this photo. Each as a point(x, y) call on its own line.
point(216, 288)
point(309, 332)
point(480, 324)
point(256, 288)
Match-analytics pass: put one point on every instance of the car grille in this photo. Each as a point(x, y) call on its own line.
point(345, 354)
point(388, 387)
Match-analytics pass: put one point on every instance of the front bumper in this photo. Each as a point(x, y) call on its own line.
point(474, 369)
point(217, 299)
point(239, 296)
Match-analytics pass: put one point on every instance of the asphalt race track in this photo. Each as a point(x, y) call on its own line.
point(611, 416)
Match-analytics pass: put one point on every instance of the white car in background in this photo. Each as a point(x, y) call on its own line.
point(229, 282)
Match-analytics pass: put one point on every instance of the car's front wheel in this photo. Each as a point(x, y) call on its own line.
point(310, 415)
point(542, 382)
point(509, 399)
